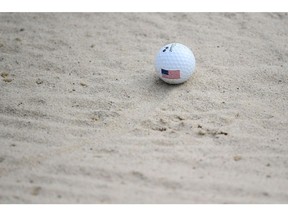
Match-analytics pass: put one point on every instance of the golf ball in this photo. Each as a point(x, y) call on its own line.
point(175, 63)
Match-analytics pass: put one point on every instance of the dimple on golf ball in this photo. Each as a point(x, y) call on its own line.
point(175, 63)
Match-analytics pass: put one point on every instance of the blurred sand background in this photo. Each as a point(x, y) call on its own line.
point(84, 118)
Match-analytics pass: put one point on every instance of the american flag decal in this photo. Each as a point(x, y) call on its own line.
point(170, 74)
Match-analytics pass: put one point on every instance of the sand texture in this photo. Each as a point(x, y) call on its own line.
point(84, 118)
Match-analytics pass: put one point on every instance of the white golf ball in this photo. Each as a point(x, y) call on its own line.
point(175, 63)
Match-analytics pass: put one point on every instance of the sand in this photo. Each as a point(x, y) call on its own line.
point(84, 118)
